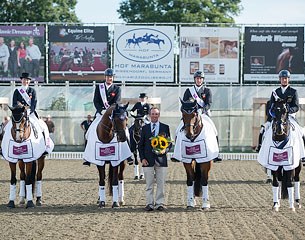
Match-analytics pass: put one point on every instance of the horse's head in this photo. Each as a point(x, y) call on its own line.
point(138, 123)
point(191, 119)
point(21, 128)
point(280, 124)
point(119, 119)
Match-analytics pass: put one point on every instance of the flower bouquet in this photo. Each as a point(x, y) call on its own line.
point(160, 144)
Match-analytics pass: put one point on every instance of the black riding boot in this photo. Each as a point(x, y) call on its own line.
point(218, 158)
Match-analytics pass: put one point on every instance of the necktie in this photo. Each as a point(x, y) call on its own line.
point(154, 129)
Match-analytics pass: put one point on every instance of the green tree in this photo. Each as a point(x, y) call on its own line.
point(38, 11)
point(186, 11)
point(58, 103)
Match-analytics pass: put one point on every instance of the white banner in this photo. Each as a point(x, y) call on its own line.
point(214, 51)
point(144, 54)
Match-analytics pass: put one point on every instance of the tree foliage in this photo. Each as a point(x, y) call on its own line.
point(38, 11)
point(186, 11)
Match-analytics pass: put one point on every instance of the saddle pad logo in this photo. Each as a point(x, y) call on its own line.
point(107, 151)
point(193, 150)
point(19, 150)
point(280, 157)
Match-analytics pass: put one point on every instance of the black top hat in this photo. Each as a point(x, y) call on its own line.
point(142, 95)
point(25, 75)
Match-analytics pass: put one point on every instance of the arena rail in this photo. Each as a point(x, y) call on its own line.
point(79, 156)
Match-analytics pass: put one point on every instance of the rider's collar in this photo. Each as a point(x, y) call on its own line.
point(108, 86)
point(197, 87)
point(24, 87)
point(284, 88)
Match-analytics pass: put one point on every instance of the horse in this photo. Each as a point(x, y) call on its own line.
point(282, 179)
point(113, 123)
point(156, 41)
point(20, 131)
point(197, 163)
point(135, 135)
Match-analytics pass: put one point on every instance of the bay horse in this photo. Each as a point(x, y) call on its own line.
point(282, 180)
point(113, 123)
point(197, 170)
point(135, 135)
point(20, 131)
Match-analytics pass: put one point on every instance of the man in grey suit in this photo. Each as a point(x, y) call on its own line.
point(153, 164)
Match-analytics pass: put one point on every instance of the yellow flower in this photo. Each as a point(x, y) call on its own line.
point(154, 142)
point(163, 142)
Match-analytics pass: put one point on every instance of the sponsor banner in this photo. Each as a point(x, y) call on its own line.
point(107, 151)
point(22, 50)
point(214, 51)
point(194, 150)
point(144, 54)
point(268, 50)
point(22, 150)
point(77, 53)
point(280, 157)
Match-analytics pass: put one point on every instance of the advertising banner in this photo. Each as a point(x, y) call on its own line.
point(144, 54)
point(22, 50)
point(77, 53)
point(269, 50)
point(214, 51)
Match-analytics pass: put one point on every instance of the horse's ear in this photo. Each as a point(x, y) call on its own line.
point(126, 105)
point(181, 100)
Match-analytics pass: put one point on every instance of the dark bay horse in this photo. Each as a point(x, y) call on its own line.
point(283, 179)
point(21, 131)
point(135, 135)
point(197, 173)
point(113, 123)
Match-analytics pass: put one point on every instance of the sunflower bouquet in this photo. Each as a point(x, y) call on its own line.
point(160, 144)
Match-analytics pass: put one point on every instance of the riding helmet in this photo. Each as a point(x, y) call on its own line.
point(198, 74)
point(109, 72)
point(284, 73)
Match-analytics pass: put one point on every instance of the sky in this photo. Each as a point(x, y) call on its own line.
point(255, 11)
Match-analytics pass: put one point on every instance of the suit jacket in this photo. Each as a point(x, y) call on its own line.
point(141, 109)
point(145, 148)
point(204, 93)
point(290, 96)
point(18, 98)
point(113, 96)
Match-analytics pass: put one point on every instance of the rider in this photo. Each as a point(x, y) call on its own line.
point(106, 94)
point(203, 96)
point(142, 107)
point(290, 96)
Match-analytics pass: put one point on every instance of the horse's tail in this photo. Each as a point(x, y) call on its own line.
point(110, 179)
point(197, 183)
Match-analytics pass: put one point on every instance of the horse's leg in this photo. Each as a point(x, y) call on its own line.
point(275, 190)
point(205, 169)
point(121, 183)
point(141, 170)
point(41, 162)
point(22, 182)
point(28, 185)
point(287, 178)
point(102, 195)
point(114, 183)
point(296, 178)
point(190, 177)
point(136, 165)
point(12, 197)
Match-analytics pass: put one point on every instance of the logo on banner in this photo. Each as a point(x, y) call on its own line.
point(144, 45)
point(280, 157)
point(20, 150)
point(107, 151)
point(193, 150)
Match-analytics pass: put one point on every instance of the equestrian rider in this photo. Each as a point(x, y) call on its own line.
point(106, 93)
point(203, 96)
point(142, 107)
point(290, 96)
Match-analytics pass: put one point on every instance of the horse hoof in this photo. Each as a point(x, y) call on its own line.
point(22, 201)
point(298, 203)
point(30, 204)
point(189, 207)
point(141, 176)
point(269, 180)
point(115, 205)
point(206, 205)
point(38, 202)
point(11, 204)
point(122, 203)
point(136, 178)
point(292, 209)
point(102, 204)
point(276, 207)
